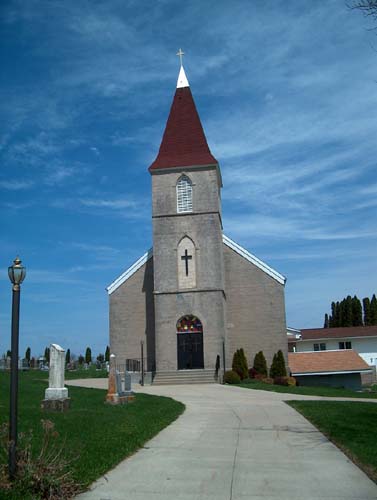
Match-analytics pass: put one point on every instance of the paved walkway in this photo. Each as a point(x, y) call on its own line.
point(233, 444)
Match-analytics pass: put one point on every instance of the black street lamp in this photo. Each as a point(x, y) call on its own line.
point(16, 274)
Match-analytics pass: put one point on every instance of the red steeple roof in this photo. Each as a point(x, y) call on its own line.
point(183, 143)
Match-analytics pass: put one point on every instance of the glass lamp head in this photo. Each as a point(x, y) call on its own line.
point(17, 272)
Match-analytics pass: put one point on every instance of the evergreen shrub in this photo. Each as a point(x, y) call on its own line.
point(231, 377)
point(260, 363)
point(239, 364)
point(278, 368)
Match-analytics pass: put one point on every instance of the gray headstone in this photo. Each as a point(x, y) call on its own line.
point(119, 383)
point(127, 381)
point(56, 389)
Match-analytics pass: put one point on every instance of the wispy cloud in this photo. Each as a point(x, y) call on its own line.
point(111, 204)
point(16, 185)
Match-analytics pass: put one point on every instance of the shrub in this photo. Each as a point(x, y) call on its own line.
point(260, 364)
point(267, 380)
point(231, 377)
point(259, 376)
point(239, 364)
point(44, 474)
point(278, 366)
point(247, 381)
point(291, 381)
point(281, 381)
point(252, 373)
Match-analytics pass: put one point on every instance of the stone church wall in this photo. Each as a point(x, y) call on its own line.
point(132, 317)
point(255, 311)
point(207, 306)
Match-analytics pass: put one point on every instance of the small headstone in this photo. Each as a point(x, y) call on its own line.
point(56, 395)
point(127, 382)
point(115, 394)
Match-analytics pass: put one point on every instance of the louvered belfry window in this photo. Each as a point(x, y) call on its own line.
point(184, 195)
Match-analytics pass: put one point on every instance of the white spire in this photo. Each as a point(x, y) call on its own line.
point(182, 79)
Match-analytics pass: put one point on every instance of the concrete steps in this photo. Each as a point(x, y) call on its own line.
point(185, 377)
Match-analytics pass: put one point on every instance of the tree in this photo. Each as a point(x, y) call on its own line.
point(68, 356)
point(373, 310)
point(347, 308)
point(9, 354)
point(239, 364)
point(47, 354)
point(367, 7)
point(278, 368)
point(81, 359)
point(107, 354)
point(366, 307)
point(28, 355)
point(260, 363)
point(357, 312)
point(326, 323)
point(100, 358)
point(88, 355)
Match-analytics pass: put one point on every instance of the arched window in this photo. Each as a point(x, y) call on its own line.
point(184, 194)
point(188, 324)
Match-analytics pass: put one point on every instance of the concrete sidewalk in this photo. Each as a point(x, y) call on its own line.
point(233, 444)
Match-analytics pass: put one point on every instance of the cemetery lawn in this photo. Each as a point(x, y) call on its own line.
point(350, 425)
point(93, 435)
point(307, 391)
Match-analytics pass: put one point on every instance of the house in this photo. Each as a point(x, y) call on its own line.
point(340, 368)
point(360, 339)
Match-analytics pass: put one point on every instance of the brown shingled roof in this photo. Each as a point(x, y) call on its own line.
point(337, 333)
point(184, 143)
point(326, 361)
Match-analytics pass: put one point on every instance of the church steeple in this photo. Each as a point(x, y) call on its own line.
point(183, 143)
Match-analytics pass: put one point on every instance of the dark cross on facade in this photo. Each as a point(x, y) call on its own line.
point(186, 258)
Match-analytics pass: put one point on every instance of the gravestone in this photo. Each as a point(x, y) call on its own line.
point(56, 395)
point(116, 394)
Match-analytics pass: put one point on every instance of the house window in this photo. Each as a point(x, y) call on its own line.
point(319, 347)
point(345, 345)
point(184, 194)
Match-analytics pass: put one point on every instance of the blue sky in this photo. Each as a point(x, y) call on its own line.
point(287, 94)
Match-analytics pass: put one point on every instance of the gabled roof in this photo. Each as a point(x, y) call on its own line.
point(326, 362)
point(130, 271)
point(337, 333)
point(254, 260)
point(183, 143)
point(227, 241)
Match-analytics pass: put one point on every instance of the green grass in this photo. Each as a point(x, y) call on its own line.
point(307, 391)
point(350, 425)
point(92, 372)
point(96, 435)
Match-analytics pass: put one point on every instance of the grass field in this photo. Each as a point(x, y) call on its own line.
point(350, 425)
point(95, 435)
point(308, 391)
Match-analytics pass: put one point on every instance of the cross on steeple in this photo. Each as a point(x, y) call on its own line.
point(186, 258)
point(180, 53)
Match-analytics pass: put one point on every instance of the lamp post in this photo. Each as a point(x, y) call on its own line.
point(16, 274)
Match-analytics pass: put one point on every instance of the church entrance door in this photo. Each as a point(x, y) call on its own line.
point(190, 343)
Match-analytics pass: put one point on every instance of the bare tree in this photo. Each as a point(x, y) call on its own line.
point(367, 7)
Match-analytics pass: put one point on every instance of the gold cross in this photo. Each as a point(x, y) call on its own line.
point(180, 53)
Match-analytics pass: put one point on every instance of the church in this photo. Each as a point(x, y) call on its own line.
point(196, 296)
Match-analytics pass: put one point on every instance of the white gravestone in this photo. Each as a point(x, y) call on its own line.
point(56, 389)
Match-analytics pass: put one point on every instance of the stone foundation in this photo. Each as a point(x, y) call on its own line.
point(120, 399)
point(60, 405)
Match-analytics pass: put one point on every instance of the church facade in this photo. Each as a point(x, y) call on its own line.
point(196, 296)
